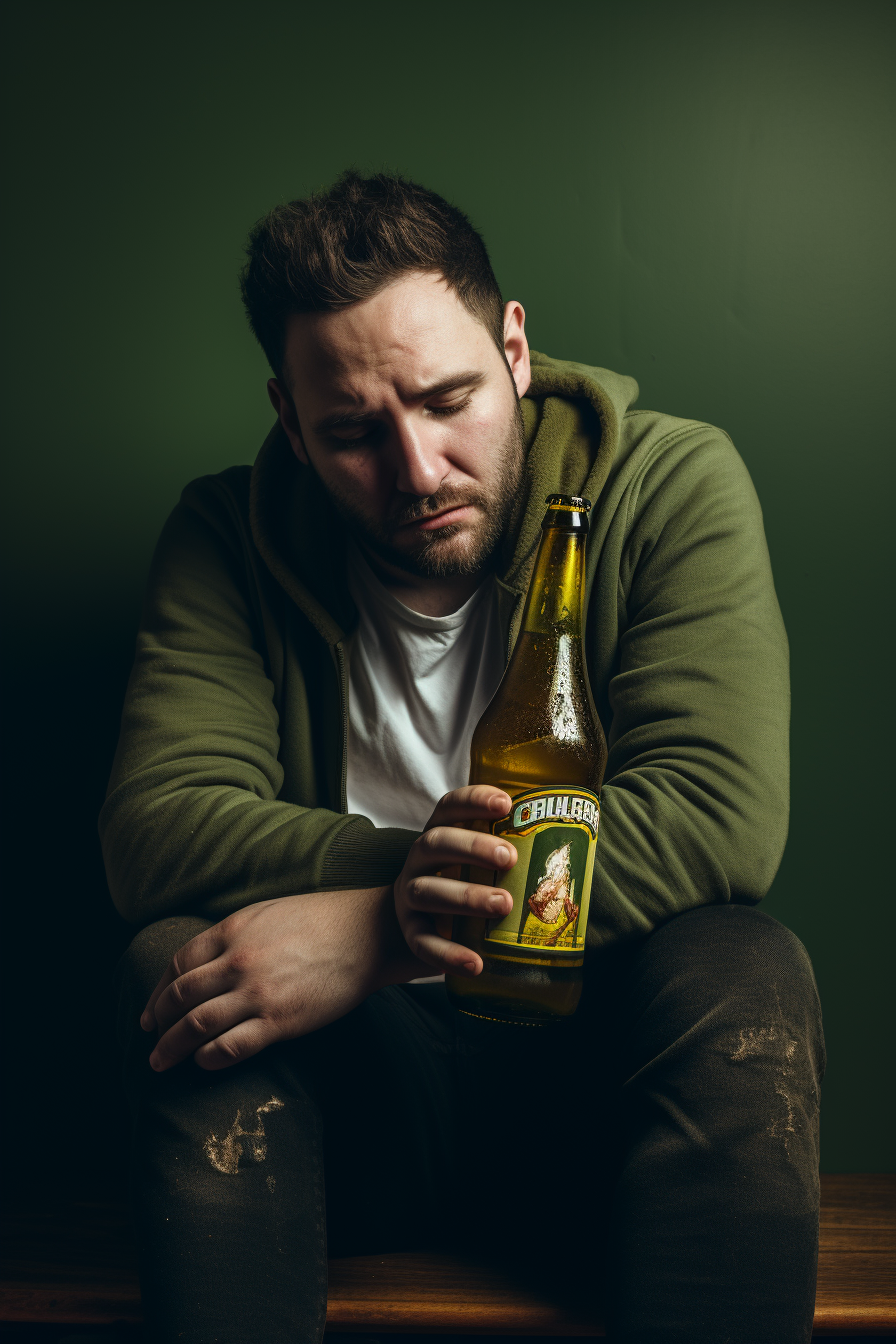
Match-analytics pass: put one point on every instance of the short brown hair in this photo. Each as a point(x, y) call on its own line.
point(343, 245)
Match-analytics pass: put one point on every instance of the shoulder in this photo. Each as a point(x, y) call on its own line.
point(214, 510)
point(674, 459)
point(217, 497)
point(208, 533)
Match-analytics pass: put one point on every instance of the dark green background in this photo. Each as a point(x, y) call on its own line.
point(700, 195)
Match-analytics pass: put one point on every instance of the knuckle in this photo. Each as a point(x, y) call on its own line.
point(230, 1048)
point(241, 959)
point(196, 1024)
point(416, 890)
point(470, 898)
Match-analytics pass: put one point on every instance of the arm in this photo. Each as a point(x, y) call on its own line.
point(193, 818)
point(283, 968)
point(696, 795)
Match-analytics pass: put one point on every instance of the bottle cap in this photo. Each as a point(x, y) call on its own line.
point(570, 502)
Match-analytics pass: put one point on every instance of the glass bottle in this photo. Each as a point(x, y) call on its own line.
point(540, 740)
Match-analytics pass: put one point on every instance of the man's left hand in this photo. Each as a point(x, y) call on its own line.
point(273, 971)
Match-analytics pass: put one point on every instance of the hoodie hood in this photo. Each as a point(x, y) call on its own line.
point(571, 414)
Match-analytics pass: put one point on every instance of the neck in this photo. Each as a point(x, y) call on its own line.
point(425, 595)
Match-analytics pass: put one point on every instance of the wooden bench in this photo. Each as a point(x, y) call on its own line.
point(74, 1264)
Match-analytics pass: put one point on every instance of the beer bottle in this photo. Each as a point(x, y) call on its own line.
point(540, 740)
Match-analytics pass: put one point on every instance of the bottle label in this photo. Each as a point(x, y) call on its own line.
point(554, 832)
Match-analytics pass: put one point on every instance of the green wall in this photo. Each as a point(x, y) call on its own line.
point(700, 195)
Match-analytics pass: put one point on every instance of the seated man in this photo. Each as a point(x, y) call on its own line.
point(320, 637)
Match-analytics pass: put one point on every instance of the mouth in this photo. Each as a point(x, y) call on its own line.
point(455, 513)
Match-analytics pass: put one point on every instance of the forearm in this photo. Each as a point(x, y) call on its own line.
point(213, 849)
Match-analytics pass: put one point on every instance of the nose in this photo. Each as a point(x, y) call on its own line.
point(420, 466)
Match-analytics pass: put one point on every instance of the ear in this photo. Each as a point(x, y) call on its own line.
point(283, 404)
point(516, 347)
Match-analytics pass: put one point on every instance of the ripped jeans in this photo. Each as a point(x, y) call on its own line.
point(657, 1153)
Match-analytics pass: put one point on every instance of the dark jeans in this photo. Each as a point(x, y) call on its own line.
point(659, 1151)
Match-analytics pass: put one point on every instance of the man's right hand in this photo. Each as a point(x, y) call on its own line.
point(428, 885)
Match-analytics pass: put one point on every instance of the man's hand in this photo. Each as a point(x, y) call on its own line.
point(283, 968)
point(428, 885)
point(273, 971)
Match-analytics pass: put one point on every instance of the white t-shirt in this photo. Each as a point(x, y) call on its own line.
point(417, 688)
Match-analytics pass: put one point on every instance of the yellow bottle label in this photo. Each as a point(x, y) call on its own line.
point(554, 832)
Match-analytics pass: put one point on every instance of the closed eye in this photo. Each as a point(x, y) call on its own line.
point(450, 410)
point(371, 431)
point(363, 435)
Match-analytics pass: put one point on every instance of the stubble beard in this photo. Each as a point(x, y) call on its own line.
point(435, 557)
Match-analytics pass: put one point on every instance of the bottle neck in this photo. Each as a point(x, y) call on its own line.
point(554, 601)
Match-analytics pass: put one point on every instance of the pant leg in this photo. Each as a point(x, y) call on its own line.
point(715, 1218)
point(227, 1185)
point(228, 1168)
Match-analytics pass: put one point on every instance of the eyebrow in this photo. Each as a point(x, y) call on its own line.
point(342, 419)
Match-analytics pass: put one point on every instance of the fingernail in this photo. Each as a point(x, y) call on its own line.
point(502, 854)
point(500, 803)
point(498, 903)
point(145, 1021)
point(155, 1062)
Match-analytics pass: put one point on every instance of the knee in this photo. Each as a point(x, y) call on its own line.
point(140, 969)
point(734, 965)
point(732, 945)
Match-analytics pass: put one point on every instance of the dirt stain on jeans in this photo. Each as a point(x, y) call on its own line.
point(224, 1154)
point(776, 1045)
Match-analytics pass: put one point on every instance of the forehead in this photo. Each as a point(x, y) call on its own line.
point(410, 335)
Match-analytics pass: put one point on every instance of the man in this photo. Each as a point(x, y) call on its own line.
point(320, 637)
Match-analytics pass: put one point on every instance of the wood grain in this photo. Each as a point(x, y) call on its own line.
point(74, 1264)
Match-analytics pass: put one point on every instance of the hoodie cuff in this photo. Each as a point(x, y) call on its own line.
point(363, 855)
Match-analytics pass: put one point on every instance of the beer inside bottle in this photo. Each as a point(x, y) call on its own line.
point(541, 741)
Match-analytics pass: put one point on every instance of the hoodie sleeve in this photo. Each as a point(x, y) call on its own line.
point(192, 820)
point(695, 799)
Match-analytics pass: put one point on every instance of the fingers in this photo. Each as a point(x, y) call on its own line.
point(189, 990)
point(197, 1028)
point(429, 947)
point(425, 889)
point(444, 846)
point(241, 1042)
point(203, 948)
point(439, 895)
point(472, 802)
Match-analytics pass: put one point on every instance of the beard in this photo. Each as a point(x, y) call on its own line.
point(438, 554)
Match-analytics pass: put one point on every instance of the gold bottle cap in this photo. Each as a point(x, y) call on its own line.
point(575, 503)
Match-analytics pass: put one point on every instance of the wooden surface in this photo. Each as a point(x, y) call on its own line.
point(856, 1291)
point(433, 1294)
point(75, 1264)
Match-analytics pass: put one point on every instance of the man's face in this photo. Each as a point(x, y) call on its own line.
point(405, 408)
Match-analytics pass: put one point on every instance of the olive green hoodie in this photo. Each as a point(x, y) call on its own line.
point(228, 786)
